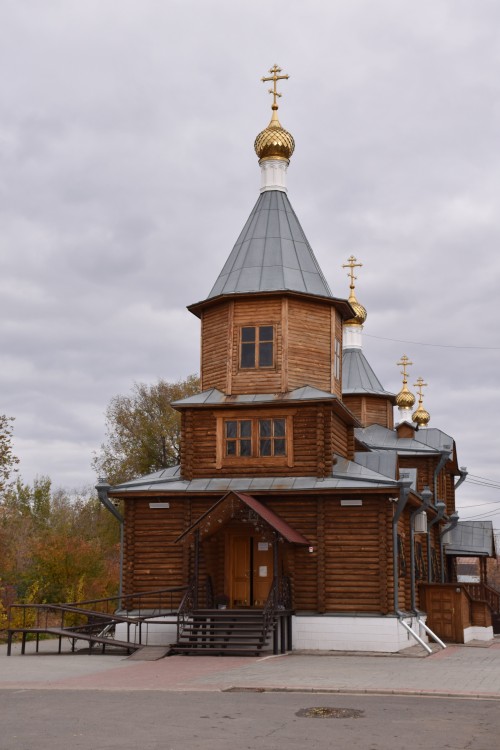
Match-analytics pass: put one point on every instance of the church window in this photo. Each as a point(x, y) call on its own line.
point(257, 347)
point(256, 440)
point(272, 437)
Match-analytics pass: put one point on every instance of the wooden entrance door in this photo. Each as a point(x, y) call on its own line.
point(240, 578)
point(250, 570)
point(446, 608)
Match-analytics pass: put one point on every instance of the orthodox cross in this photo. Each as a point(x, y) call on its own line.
point(274, 78)
point(351, 263)
point(404, 363)
point(419, 385)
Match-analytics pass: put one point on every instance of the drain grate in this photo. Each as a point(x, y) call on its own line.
point(326, 712)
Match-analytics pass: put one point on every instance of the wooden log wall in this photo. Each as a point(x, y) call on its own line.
point(348, 571)
point(151, 558)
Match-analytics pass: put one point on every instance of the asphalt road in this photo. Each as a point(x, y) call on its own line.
point(161, 720)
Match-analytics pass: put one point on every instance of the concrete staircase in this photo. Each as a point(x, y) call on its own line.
point(222, 632)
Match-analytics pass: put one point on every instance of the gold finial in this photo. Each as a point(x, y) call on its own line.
point(361, 313)
point(274, 142)
point(274, 78)
point(405, 399)
point(421, 416)
point(404, 363)
point(351, 264)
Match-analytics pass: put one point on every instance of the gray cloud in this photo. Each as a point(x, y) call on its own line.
point(127, 172)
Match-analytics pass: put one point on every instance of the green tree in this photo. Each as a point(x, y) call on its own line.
point(56, 545)
point(8, 461)
point(142, 430)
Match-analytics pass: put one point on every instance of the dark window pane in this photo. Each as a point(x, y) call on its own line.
point(245, 447)
point(245, 428)
point(279, 428)
point(265, 427)
point(248, 355)
point(231, 448)
point(248, 334)
point(266, 333)
point(266, 355)
point(231, 429)
point(279, 447)
point(265, 447)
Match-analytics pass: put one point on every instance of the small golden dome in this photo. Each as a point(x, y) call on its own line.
point(405, 398)
point(421, 416)
point(274, 142)
point(361, 314)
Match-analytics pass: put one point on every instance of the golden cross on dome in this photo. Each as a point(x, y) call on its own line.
point(419, 385)
point(351, 263)
point(274, 78)
point(404, 363)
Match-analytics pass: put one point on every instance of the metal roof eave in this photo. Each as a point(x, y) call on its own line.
point(342, 305)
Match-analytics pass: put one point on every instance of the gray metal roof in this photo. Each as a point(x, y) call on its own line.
point(214, 397)
point(376, 436)
point(358, 376)
point(271, 254)
point(471, 539)
point(383, 462)
point(346, 475)
point(435, 438)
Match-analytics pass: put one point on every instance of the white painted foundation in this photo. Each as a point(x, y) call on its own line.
point(312, 633)
point(338, 633)
point(156, 632)
point(476, 633)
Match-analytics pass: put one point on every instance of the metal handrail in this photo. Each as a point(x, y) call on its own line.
point(186, 607)
point(278, 601)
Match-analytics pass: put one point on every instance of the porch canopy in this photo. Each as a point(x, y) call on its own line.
point(239, 505)
point(471, 539)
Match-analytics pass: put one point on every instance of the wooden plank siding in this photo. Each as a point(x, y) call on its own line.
point(310, 338)
point(215, 326)
point(370, 409)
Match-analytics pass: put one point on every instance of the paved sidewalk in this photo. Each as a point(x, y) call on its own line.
point(459, 671)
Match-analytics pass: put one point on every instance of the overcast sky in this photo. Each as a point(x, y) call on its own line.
point(127, 171)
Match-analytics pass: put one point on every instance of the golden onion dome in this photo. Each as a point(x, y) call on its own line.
point(405, 398)
point(361, 314)
point(421, 416)
point(274, 142)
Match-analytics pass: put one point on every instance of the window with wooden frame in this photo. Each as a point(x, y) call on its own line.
point(256, 347)
point(272, 437)
point(254, 439)
point(238, 437)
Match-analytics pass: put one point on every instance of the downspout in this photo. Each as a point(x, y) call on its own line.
point(404, 492)
point(463, 476)
point(102, 492)
point(452, 522)
point(440, 507)
point(426, 496)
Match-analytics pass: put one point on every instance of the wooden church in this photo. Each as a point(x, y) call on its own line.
point(298, 509)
